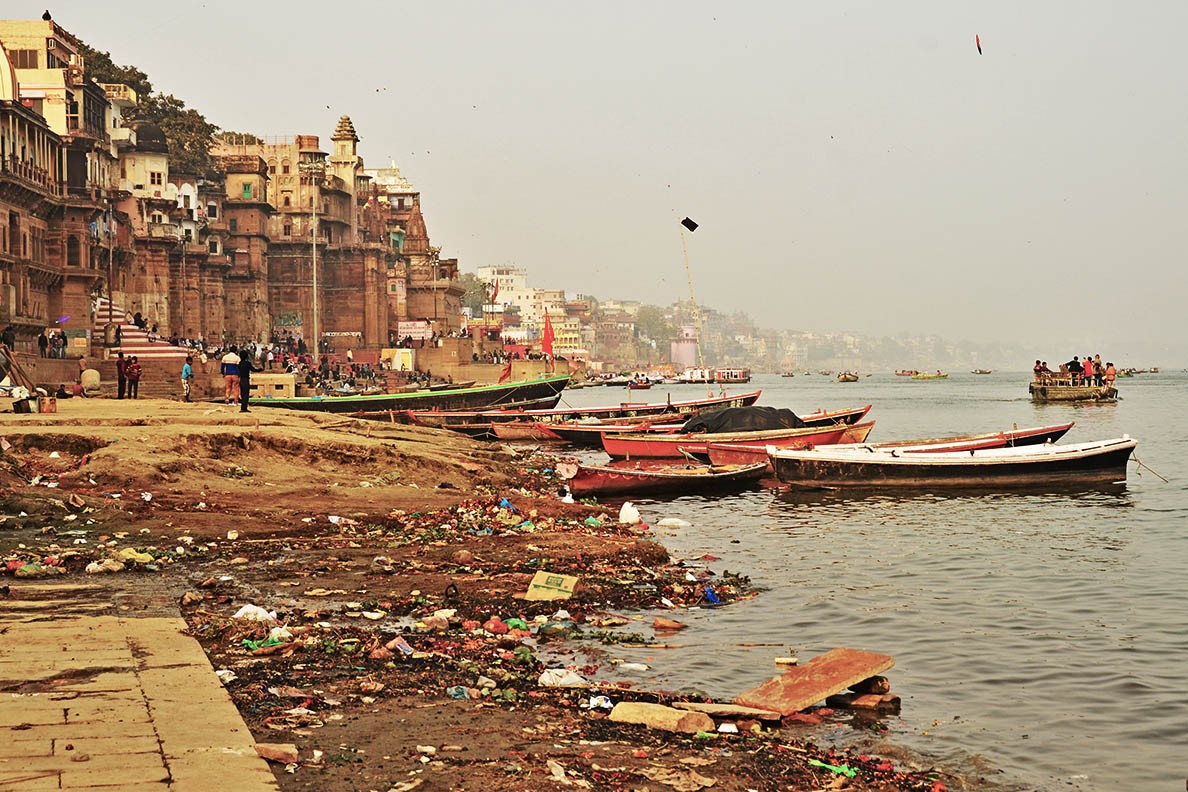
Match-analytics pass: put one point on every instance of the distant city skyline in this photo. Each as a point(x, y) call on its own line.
point(852, 167)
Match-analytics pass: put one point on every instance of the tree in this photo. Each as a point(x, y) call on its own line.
point(651, 323)
point(187, 131)
point(476, 294)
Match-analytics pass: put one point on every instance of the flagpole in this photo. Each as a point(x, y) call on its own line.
point(696, 313)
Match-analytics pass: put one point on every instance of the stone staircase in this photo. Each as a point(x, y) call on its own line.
point(133, 340)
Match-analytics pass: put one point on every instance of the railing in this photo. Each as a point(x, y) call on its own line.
point(78, 126)
point(162, 231)
point(30, 173)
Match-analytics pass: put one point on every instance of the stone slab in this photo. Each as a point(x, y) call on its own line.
point(805, 685)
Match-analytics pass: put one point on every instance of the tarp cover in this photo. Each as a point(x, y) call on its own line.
point(744, 419)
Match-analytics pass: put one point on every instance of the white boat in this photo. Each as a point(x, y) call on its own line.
point(990, 468)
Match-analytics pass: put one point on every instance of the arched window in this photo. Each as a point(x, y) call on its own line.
point(73, 252)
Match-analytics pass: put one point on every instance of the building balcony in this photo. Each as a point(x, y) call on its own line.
point(166, 231)
point(123, 137)
point(30, 174)
point(77, 127)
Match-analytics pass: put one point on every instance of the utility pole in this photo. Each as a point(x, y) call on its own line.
point(315, 170)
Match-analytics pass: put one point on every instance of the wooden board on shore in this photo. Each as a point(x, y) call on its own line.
point(805, 685)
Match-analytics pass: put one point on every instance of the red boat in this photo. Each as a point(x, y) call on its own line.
point(611, 480)
point(522, 430)
point(639, 384)
point(738, 454)
point(678, 446)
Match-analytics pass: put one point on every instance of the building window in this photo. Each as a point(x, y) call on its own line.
point(234, 225)
point(212, 211)
point(156, 178)
point(247, 190)
point(288, 230)
point(156, 217)
point(189, 235)
point(213, 246)
point(288, 200)
point(285, 168)
point(73, 252)
point(23, 59)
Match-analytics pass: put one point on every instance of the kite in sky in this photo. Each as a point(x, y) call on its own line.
point(978, 41)
point(689, 224)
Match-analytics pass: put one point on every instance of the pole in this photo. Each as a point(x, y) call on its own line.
point(110, 267)
point(317, 337)
point(696, 313)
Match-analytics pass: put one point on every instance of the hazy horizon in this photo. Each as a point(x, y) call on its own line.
point(854, 166)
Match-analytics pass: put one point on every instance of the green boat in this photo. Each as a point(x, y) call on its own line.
point(538, 393)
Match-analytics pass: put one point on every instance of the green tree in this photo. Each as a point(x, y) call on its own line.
point(101, 68)
point(651, 323)
point(475, 296)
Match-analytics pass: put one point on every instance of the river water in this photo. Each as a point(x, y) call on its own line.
point(1040, 639)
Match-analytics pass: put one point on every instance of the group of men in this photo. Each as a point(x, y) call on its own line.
point(1090, 371)
point(237, 376)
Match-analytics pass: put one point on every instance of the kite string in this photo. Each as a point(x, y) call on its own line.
point(696, 313)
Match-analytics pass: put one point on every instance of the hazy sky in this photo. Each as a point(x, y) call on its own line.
point(853, 166)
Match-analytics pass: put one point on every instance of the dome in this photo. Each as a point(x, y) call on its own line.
point(149, 137)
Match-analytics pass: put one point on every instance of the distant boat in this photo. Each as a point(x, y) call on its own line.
point(788, 374)
point(848, 376)
point(928, 375)
point(727, 376)
point(906, 373)
point(982, 371)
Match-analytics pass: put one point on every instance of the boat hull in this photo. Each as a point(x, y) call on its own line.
point(607, 480)
point(679, 446)
point(1071, 393)
point(486, 396)
point(988, 469)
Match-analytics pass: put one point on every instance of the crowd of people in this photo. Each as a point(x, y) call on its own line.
point(1089, 372)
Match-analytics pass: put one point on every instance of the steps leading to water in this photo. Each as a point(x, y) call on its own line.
point(133, 340)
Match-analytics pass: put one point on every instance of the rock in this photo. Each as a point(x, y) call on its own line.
point(282, 753)
point(658, 716)
point(191, 598)
point(463, 558)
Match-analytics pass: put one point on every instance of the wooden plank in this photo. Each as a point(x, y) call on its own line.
point(805, 685)
point(727, 710)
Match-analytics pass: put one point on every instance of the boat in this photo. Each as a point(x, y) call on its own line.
point(694, 444)
point(590, 434)
point(848, 376)
point(519, 430)
point(545, 391)
point(906, 373)
point(736, 453)
point(982, 371)
point(450, 419)
point(732, 376)
point(1064, 391)
point(672, 479)
point(1102, 461)
point(788, 374)
point(639, 384)
point(928, 375)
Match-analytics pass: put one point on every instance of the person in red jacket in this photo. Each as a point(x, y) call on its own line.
point(132, 372)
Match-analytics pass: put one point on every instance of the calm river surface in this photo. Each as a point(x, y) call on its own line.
point(1041, 640)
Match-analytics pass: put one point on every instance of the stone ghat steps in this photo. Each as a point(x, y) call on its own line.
point(133, 340)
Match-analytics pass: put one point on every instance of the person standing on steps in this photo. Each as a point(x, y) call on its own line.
point(187, 374)
point(42, 344)
point(245, 379)
point(132, 372)
point(121, 375)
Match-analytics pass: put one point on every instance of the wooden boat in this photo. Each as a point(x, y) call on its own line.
point(982, 371)
point(929, 375)
point(520, 430)
point(449, 419)
point(544, 390)
point(638, 384)
point(1057, 391)
point(733, 453)
point(848, 376)
point(685, 444)
point(986, 469)
point(688, 479)
point(752, 452)
point(906, 373)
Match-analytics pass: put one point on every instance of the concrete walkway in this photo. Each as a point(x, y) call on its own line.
point(90, 700)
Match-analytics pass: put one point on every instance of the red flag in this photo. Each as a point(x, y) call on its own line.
point(546, 340)
point(495, 293)
point(505, 375)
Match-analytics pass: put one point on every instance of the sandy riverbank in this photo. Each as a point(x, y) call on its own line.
point(356, 534)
